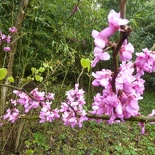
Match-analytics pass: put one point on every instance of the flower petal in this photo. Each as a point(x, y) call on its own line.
point(100, 43)
point(107, 32)
point(105, 56)
point(95, 33)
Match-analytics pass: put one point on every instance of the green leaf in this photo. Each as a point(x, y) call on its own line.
point(39, 78)
point(45, 64)
point(37, 71)
point(33, 70)
point(29, 152)
point(41, 69)
point(11, 79)
point(3, 73)
point(85, 63)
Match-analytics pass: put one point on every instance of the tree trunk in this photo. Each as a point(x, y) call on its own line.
point(13, 45)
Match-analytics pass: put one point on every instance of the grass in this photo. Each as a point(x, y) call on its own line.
point(92, 139)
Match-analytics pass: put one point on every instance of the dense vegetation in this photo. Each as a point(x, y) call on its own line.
point(52, 40)
point(66, 38)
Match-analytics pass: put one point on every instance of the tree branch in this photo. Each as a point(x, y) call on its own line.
point(123, 35)
point(20, 89)
point(104, 117)
point(133, 118)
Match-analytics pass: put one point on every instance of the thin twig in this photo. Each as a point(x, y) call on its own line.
point(20, 89)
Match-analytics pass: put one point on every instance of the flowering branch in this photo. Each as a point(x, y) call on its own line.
point(72, 12)
point(104, 117)
point(19, 89)
point(123, 36)
point(75, 8)
point(72, 111)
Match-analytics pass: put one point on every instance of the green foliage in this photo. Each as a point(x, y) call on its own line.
point(39, 144)
point(51, 34)
point(11, 79)
point(3, 73)
point(142, 21)
point(85, 63)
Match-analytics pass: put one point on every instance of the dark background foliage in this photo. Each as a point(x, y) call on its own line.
point(50, 33)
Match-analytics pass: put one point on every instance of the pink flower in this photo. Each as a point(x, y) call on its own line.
point(12, 115)
point(125, 74)
point(74, 10)
point(12, 30)
point(99, 55)
point(123, 103)
point(7, 49)
point(48, 115)
point(128, 87)
point(132, 107)
point(3, 36)
point(145, 62)
point(8, 39)
point(107, 32)
point(29, 103)
point(99, 41)
point(40, 96)
point(101, 38)
point(114, 25)
point(17, 92)
point(126, 51)
point(72, 110)
point(153, 113)
point(142, 125)
point(102, 78)
point(50, 96)
point(119, 109)
point(115, 21)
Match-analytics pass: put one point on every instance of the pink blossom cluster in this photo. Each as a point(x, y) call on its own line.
point(101, 39)
point(47, 114)
point(72, 110)
point(12, 115)
point(12, 29)
point(145, 62)
point(35, 100)
point(126, 51)
point(26, 101)
point(124, 102)
point(5, 39)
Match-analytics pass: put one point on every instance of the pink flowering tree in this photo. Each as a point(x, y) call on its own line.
point(122, 87)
